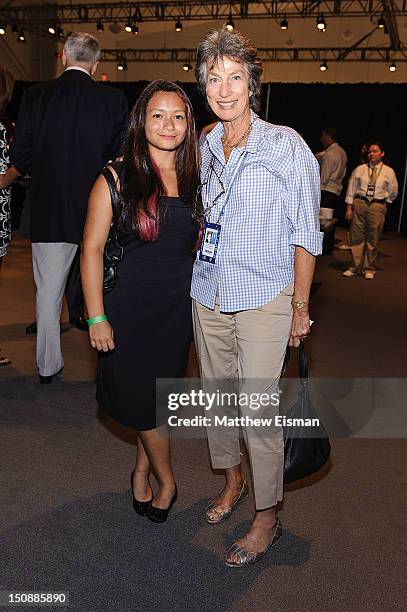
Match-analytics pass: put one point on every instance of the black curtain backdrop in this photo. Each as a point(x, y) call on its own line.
point(361, 113)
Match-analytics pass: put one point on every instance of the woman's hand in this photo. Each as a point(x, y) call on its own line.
point(101, 336)
point(300, 326)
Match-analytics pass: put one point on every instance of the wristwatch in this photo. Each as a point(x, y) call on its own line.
point(299, 304)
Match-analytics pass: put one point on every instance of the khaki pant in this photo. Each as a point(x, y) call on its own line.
point(365, 231)
point(247, 346)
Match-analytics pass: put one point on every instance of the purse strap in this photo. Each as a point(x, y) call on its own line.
point(302, 363)
point(114, 194)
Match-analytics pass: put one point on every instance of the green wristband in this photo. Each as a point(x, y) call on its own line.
point(97, 319)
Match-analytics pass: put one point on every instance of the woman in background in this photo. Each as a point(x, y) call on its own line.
point(6, 90)
point(147, 329)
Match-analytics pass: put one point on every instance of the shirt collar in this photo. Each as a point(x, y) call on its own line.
point(252, 145)
point(77, 68)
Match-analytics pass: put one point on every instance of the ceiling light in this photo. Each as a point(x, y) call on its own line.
point(99, 26)
point(392, 67)
point(115, 28)
point(127, 27)
point(21, 36)
point(122, 64)
point(60, 32)
point(178, 26)
point(187, 67)
point(230, 26)
point(52, 29)
point(381, 23)
point(2, 30)
point(323, 67)
point(134, 29)
point(321, 23)
point(284, 24)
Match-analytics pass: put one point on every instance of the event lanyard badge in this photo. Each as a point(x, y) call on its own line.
point(211, 231)
point(370, 190)
point(210, 241)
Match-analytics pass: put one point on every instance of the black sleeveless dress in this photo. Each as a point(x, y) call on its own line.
point(150, 312)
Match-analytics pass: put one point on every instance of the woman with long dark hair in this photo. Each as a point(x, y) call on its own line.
point(142, 328)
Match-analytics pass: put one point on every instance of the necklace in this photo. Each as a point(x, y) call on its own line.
point(233, 146)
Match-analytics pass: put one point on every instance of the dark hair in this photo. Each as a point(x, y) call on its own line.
point(142, 185)
point(330, 131)
point(218, 44)
point(6, 88)
point(376, 143)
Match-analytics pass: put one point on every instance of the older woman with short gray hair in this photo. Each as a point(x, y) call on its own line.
point(252, 275)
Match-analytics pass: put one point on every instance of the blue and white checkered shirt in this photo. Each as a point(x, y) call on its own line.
point(272, 207)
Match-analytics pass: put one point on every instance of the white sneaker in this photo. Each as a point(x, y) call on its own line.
point(344, 247)
point(348, 273)
point(369, 275)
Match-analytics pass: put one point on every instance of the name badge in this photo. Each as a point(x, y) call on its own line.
point(210, 240)
point(370, 191)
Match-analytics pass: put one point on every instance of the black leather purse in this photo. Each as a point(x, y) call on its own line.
point(305, 450)
point(113, 252)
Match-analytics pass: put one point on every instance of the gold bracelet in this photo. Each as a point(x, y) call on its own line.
point(299, 304)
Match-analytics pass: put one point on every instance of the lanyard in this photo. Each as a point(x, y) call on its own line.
point(225, 193)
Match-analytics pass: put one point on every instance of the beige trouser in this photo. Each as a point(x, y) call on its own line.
point(248, 347)
point(365, 231)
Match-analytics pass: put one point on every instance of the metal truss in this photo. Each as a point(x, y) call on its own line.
point(299, 54)
point(199, 10)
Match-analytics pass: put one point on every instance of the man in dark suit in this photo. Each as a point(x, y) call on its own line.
point(67, 130)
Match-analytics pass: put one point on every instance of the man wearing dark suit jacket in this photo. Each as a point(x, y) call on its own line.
point(67, 130)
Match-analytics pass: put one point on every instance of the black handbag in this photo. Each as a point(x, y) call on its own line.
point(305, 449)
point(113, 252)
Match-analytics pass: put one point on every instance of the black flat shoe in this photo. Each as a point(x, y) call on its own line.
point(160, 515)
point(138, 506)
point(47, 380)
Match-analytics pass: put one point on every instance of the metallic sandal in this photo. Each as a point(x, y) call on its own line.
point(248, 558)
point(223, 515)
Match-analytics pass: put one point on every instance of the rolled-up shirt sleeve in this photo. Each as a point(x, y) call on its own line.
point(304, 200)
point(21, 149)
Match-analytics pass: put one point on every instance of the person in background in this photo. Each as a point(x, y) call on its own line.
point(332, 163)
point(6, 90)
point(252, 277)
point(364, 158)
point(371, 187)
point(67, 130)
point(147, 329)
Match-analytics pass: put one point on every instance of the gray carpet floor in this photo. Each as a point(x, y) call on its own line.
point(66, 521)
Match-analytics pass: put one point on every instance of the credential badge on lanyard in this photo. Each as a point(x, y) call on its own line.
point(211, 231)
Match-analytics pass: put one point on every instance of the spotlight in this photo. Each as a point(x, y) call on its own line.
point(187, 67)
point(21, 36)
point(381, 23)
point(230, 26)
point(127, 27)
point(122, 65)
point(321, 23)
point(392, 67)
point(134, 29)
point(323, 67)
point(2, 30)
point(52, 29)
point(99, 26)
point(60, 32)
point(178, 26)
point(284, 24)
